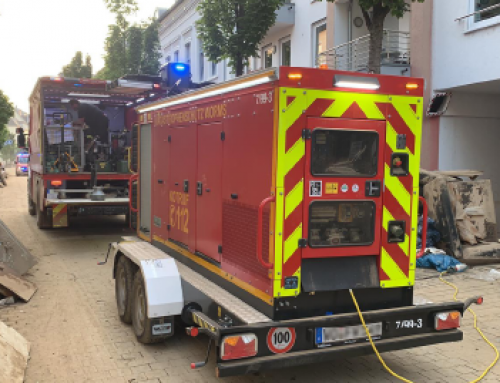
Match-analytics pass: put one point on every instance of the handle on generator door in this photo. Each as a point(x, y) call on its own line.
point(260, 221)
point(424, 227)
point(134, 178)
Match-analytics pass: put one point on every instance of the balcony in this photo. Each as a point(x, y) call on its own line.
point(353, 55)
point(285, 18)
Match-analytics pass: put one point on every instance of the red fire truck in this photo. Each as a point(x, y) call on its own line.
point(61, 183)
point(263, 202)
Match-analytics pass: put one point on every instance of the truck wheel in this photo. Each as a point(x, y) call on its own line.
point(143, 326)
point(124, 278)
point(42, 219)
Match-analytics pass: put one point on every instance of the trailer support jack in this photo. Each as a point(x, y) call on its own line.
point(197, 365)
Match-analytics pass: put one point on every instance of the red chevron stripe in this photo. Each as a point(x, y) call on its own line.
point(397, 211)
point(407, 181)
point(354, 111)
point(292, 265)
point(294, 176)
point(398, 124)
point(382, 275)
point(397, 254)
point(317, 108)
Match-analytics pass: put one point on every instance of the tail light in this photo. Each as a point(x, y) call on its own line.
point(56, 182)
point(239, 346)
point(447, 320)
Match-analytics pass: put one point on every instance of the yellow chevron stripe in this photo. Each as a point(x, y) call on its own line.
point(57, 209)
point(292, 243)
point(294, 155)
point(294, 198)
point(390, 267)
point(398, 190)
point(386, 217)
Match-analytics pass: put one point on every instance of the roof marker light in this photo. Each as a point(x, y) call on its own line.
point(295, 76)
point(354, 82)
point(411, 86)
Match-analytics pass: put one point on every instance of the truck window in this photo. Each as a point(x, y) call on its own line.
point(341, 223)
point(22, 160)
point(344, 153)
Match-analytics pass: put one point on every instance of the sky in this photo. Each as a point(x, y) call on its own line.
point(39, 37)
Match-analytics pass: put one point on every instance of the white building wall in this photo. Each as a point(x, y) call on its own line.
point(178, 28)
point(469, 134)
point(463, 53)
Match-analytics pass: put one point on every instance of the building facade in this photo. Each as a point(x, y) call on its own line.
point(296, 39)
point(458, 55)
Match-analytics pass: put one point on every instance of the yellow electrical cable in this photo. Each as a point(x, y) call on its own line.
point(477, 329)
point(387, 368)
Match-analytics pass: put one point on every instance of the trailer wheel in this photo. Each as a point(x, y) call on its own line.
point(124, 277)
point(143, 326)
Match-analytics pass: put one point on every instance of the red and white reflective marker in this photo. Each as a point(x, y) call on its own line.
point(281, 339)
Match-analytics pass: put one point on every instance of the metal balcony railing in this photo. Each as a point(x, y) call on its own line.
point(353, 55)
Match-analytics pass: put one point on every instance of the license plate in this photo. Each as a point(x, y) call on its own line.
point(325, 335)
point(160, 329)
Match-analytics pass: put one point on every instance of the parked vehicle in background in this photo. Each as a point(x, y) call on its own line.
point(22, 164)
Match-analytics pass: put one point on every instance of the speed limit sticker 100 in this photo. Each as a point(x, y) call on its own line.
point(281, 339)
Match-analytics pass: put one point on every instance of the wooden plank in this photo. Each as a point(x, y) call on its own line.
point(19, 286)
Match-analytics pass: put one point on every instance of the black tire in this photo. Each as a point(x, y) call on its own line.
point(124, 278)
point(31, 207)
point(143, 326)
point(42, 219)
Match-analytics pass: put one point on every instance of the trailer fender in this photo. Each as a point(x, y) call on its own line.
point(162, 279)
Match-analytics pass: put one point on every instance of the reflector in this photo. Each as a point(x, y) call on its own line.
point(447, 320)
point(239, 347)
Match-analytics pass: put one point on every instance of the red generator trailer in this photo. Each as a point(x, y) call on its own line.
point(263, 202)
point(61, 183)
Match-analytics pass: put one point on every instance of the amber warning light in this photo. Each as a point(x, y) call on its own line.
point(295, 76)
point(411, 86)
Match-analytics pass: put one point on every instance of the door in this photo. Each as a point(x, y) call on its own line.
point(344, 178)
point(145, 179)
point(209, 191)
point(160, 182)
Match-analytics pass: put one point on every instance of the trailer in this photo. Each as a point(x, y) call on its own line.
point(64, 180)
point(267, 206)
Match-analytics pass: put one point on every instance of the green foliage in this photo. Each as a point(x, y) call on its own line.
point(233, 29)
point(129, 49)
point(150, 63)
point(6, 112)
point(8, 152)
point(77, 69)
point(134, 49)
point(124, 7)
point(116, 53)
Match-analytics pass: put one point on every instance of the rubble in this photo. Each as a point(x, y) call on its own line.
point(14, 352)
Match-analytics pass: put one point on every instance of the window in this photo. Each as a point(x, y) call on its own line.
point(344, 153)
point(202, 66)
point(176, 56)
point(214, 69)
point(267, 56)
point(187, 52)
point(341, 223)
point(286, 53)
point(320, 42)
point(483, 4)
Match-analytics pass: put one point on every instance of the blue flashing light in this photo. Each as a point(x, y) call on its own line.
point(78, 85)
point(180, 67)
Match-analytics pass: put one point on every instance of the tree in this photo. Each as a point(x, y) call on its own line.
point(151, 50)
point(374, 13)
point(77, 69)
point(233, 29)
point(134, 49)
point(123, 7)
point(116, 54)
point(6, 112)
